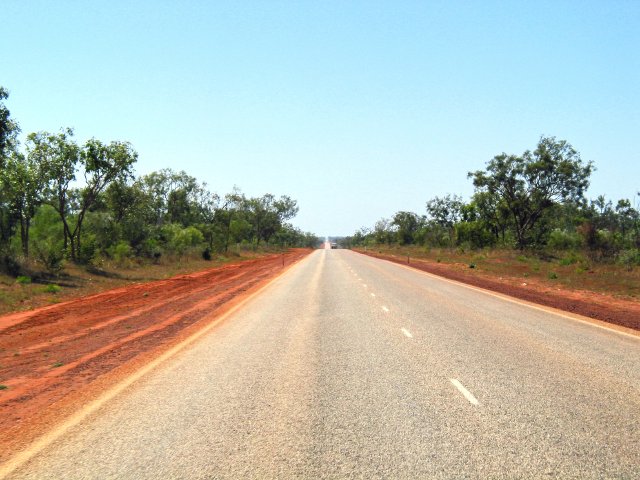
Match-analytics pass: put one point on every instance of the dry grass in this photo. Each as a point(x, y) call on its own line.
point(565, 269)
point(76, 281)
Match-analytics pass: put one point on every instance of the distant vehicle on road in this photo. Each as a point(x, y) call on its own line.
point(334, 245)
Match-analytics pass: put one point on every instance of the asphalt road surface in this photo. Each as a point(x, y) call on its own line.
point(351, 367)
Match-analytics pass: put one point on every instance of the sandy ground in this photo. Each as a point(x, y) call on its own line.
point(56, 358)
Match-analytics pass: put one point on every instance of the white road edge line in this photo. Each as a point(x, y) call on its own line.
point(553, 311)
point(467, 394)
point(406, 332)
point(385, 308)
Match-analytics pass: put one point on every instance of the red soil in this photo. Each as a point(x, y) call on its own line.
point(606, 308)
point(55, 358)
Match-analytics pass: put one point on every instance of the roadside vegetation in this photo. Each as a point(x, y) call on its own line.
point(80, 208)
point(528, 217)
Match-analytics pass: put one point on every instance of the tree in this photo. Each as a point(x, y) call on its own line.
point(102, 164)
point(530, 184)
point(25, 183)
point(9, 129)
point(58, 156)
point(407, 225)
point(267, 214)
point(446, 212)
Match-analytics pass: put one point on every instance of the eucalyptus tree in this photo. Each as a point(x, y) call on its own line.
point(24, 182)
point(9, 130)
point(529, 185)
point(102, 164)
point(58, 156)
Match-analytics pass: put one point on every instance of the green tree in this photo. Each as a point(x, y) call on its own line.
point(25, 183)
point(102, 165)
point(9, 129)
point(445, 212)
point(58, 156)
point(407, 225)
point(530, 184)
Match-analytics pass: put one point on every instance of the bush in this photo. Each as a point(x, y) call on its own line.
point(52, 288)
point(10, 264)
point(121, 252)
point(474, 234)
point(629, 258)
point(179, 239)
point(562, 240)
point(51, 254)
point(23, 280)
point(88, 249)
point(572, 259)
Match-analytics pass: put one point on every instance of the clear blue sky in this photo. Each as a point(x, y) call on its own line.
point(355, 109)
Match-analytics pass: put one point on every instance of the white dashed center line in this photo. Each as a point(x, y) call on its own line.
point(385, 308)
point(406, 332)
point(467, 394)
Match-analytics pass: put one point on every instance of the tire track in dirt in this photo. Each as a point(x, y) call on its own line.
point(50, 355)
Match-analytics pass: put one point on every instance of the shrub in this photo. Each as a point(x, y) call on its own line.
point(562, 240)
point(475, 234)
point(10, 264)
point(52, 288)
point(121, 252)
point(553, 275)
point(629, 258)
point(23, 280)
point(572, 259)
point(50, 254)
point(88, 250)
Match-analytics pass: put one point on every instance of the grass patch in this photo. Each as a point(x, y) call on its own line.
point(568, 269)
point(52, 288)
point(23, 280)
point(57, 364)
point(3, 387)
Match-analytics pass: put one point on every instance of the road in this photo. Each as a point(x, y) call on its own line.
point(349, 366)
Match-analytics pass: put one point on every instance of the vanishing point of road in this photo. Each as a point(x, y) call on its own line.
point(352, 367)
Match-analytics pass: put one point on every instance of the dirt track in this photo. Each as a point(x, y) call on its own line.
point(52, 358)
point(601, 307)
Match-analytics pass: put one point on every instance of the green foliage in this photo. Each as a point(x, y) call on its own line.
point(530, 184)
point(52, 288)
point(571, 259)
point(629, 258)
point(121, 252)
point(179, 240)
point(87, 251)
point(474, 233)
point(562, 240)
point(553, 276)
point(23, 280)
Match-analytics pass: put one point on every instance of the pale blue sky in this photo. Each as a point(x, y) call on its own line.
point(355, 109)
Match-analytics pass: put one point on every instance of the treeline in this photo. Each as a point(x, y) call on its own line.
point(531, 201)
point(60, 200)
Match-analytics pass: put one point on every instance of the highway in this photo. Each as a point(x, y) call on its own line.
point(352, 367)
